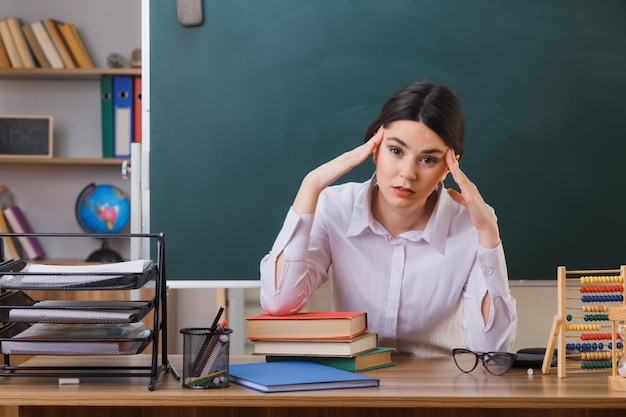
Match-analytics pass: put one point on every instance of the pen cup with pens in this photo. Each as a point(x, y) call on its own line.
point(205, 356)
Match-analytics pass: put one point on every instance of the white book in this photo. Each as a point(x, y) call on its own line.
point(45, 41)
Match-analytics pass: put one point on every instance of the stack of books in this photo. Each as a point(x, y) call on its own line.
point(13, 220)
point(46, 43)
point(337, 339)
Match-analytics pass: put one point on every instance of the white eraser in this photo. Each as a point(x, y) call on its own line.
point(68, 381)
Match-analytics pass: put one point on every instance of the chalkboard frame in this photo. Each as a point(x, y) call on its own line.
point(265, 91)
point(43, 145)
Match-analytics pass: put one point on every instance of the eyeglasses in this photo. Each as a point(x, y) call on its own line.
point(496, 363)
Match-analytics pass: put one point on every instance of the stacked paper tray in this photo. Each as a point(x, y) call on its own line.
point(90, 277)
point(13, 344)
point(17, 306)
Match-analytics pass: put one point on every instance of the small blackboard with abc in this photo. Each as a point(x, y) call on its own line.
point(25, 136)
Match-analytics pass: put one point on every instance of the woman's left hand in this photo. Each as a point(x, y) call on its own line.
point(482, 216)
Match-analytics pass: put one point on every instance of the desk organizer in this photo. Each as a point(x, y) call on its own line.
point(84, 328)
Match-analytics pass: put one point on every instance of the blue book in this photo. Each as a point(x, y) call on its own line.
point(296, 376)
point(122, 115)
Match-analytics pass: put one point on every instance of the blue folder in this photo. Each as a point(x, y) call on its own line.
point(296, 376)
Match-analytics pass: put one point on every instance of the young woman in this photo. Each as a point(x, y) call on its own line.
point(426, 263)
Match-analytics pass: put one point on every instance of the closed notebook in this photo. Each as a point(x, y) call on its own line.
point(312, 325)
point(365, 361)
point(296, 376)
point(324, 347)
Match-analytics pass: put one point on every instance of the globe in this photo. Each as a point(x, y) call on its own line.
point(103, 209)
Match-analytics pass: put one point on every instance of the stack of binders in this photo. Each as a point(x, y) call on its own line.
point(121, 114)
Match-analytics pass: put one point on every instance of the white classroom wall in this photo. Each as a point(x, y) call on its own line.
point(536, 307)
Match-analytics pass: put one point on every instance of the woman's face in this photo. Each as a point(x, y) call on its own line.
point(410, 162)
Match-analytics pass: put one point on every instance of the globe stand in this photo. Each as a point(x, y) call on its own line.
point(105, 254)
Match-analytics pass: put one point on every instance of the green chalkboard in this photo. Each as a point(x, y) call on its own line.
point(245, 105)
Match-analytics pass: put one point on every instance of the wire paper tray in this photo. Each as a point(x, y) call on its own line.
point(84, 327)
point(13, 277)
point(20, 307)
point(69, 346)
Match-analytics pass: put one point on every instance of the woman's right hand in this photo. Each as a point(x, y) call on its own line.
point(324, 175)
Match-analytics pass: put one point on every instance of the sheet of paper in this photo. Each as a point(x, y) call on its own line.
point(68, 275)
point(68, 316)
point(127, 267)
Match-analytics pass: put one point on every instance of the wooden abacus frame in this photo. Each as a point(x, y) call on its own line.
point(616, 382)
point(588, 281)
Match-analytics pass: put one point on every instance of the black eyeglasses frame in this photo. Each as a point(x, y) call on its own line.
point(484, 357)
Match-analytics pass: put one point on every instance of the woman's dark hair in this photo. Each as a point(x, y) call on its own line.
point(433, 104)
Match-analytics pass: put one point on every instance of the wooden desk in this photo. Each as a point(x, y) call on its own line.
point(433, 387)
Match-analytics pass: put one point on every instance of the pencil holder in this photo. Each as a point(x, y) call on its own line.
point(205, 357)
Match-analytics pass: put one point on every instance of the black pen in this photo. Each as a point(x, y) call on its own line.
point(204, 350)
point(217, 319)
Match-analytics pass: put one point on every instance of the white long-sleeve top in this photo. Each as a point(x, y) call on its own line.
point(422, 290)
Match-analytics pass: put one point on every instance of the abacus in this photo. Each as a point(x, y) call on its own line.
point(587, 341)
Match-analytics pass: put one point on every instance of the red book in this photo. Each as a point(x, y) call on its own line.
point(307, 326)
point(18, 224)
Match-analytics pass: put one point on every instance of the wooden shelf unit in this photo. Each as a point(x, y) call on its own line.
point(61, 161)
point(65, 74)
